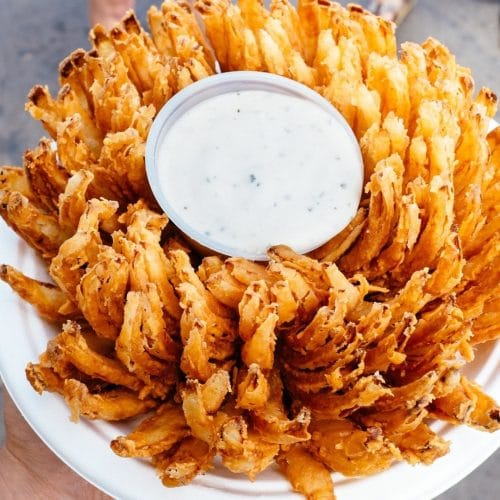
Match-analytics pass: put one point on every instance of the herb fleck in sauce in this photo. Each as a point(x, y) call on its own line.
point(216, 155)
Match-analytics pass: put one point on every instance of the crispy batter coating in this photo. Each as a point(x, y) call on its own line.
point(336, 361)
point(101, 292)
point(158, 376)
point(155, 434)
point(271, 421)
point(72, 202)
point(468, 404)
point(15, 179)
point(242, 450)
point(307, 474)
point(181, 465)
point(344, 447)
point(112, 405)
point(202, 415)
point(50, 302)
point(148, 262)
point(43, 379)
point(71, 347)
point(39, 229)
point(47, 179)
point(76, 253)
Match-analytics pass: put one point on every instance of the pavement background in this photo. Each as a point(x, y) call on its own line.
point(36, 35)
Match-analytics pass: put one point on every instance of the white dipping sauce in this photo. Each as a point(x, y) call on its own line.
point(251, 169)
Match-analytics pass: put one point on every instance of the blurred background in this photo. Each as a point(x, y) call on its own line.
point(36, 35)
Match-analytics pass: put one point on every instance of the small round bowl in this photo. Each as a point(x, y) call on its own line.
point(210, 87)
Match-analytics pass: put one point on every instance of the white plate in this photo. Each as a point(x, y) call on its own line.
point(85, 446)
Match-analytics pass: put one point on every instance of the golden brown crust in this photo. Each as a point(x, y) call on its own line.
point(335, 361)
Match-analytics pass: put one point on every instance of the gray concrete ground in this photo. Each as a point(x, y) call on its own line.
point(35, 36)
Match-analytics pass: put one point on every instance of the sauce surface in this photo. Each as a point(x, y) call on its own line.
point(255, 168)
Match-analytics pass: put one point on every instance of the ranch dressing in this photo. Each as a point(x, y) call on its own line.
point(249, 169)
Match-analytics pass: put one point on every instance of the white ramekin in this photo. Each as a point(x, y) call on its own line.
point(205, 89)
